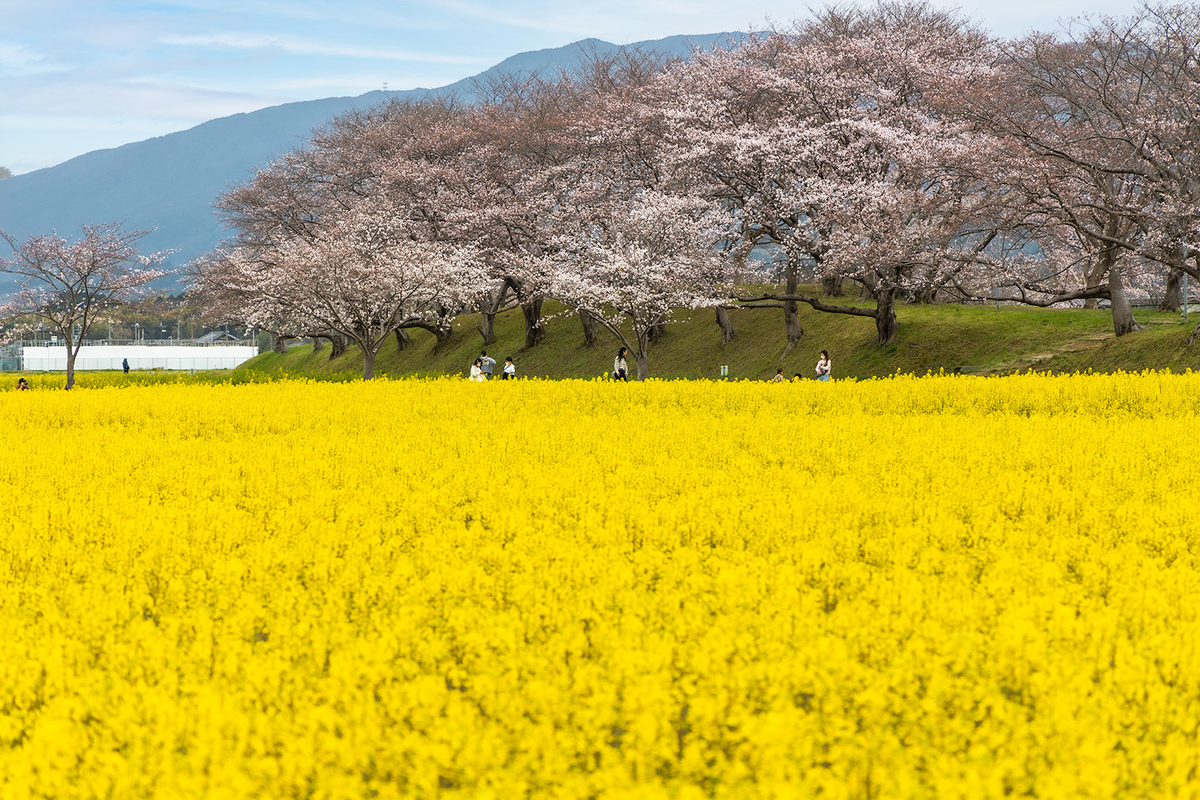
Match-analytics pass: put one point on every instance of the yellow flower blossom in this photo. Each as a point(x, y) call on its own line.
point(913, 587)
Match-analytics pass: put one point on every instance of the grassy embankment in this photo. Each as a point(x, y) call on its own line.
point(977, 339)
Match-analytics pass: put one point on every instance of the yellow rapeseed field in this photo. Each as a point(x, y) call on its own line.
point(914, 587)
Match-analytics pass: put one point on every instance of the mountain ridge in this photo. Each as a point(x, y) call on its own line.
point(167, 183)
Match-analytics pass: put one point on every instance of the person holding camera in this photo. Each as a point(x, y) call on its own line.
point(824, 366)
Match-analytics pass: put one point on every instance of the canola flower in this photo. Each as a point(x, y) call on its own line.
point(936, 587)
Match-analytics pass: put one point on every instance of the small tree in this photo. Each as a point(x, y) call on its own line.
point(67, 286)
point(361, 278)
point(5, 172)
point(637, 261)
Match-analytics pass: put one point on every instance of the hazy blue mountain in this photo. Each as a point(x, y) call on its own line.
point(168, 183)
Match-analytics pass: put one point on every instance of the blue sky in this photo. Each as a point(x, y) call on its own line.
point(81, 75)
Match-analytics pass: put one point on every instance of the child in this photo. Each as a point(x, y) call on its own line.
point(510, 369)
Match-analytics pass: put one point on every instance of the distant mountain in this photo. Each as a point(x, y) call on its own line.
point(170, 182)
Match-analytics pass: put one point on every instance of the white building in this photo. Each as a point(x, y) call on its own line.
point(110, 356)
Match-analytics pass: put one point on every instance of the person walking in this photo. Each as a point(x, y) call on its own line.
point(824, 366)
point(620, 368)
point(510, 369)
point(125, 365)
point(487, 364)
point(477, 371)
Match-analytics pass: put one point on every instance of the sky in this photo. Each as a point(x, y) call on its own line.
point(83, 75)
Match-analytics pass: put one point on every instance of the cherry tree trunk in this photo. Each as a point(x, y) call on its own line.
point(1172, 292)
point(591, 327)
point(281, 344)
point(71, 352)
point(886, 325)
point(791, 313)
point(925, 295)
point(337, 346)
point(1122, 311)
point(1094, 277)
point(1191, 339)
point(727, 331)
point(368, 363)
point(643, 366)
point(442, 336)
point(831, 286)
point(487, 326)
point(535, 331)
point(317, 344)
point(657, 331)
point(402, 339)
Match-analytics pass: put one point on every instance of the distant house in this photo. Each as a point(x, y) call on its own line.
point(217, 336)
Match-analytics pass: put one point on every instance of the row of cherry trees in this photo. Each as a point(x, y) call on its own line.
point(896, 148)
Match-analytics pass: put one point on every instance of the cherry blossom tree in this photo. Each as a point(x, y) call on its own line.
point(373, 178)
point(529, 134)
point(829, 142)
point(639, 259)
point(68, 285)
point(361, 277)
point(1102, 119)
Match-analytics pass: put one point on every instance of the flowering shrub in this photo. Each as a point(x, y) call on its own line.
point(938, 587)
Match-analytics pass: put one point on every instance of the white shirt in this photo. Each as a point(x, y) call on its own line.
point(477, 373)
point(510, 369)
point(823, 366)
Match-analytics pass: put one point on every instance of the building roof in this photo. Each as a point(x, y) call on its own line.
point(218, 336)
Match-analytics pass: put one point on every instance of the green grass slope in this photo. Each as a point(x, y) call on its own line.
point(975, 339)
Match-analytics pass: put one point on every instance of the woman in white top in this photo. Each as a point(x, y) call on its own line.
point(620, 368)
point(824, 365)
point(477, 371)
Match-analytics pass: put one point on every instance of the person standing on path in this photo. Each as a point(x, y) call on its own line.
point(510, 369)
point(824, 366)
point(620, 368)
point(487, 364)
point(125, 365)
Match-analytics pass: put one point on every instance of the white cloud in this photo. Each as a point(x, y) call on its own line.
point(18, 59)
point(298, 46)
